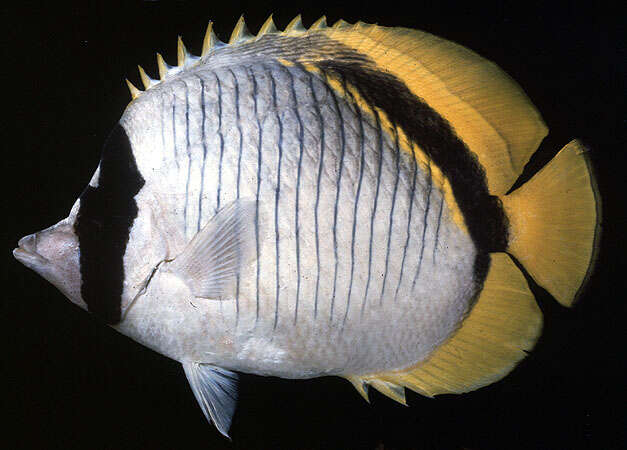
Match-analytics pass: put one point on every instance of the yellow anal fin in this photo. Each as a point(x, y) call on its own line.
point(392, 390)
point(503, 325)
point(486, 108)
point(555, 223)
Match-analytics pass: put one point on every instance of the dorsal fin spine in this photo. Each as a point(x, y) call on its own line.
point(268, 27)
point(341, 24)
point(211, 41)
point(319, 24)
point(184, 58)
point(181, 52)
point(295, 26)
point(240, 32)
point(240, 35)
point(133, 90)
point(162, 66)
point(146, 80)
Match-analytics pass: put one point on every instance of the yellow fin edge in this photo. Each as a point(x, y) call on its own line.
point(487, 109)
point(500, 329)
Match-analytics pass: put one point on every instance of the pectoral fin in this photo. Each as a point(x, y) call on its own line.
point(212, 260)
point(215, 390)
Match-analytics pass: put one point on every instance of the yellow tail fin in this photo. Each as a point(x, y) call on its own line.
point(555, 223)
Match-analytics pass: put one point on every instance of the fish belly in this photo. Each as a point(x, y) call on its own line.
point(358, 264)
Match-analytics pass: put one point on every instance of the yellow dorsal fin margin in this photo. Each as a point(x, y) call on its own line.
point(485, 107)
point(503, 325)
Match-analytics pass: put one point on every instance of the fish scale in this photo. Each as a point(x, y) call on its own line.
point(330, 201)
point(265, 310)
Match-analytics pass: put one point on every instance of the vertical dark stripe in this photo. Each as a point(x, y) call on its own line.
point(259, 140)
point(174, 149)
point(301, 141)
point(277, 195)
point(188, 151)
point(389, 238)
point(204, 150)
point(162, 114)
point(239, 131)
point(318, 180)
point(221, 140)
point(103, 224)
point(379, 154)
point(337, 195)
point(411, 205)
point(483, 213)
point(424, 222)
point(437, 229)
point(239, 170)
point(362, 163)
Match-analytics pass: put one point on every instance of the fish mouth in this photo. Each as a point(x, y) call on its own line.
point(26, 252)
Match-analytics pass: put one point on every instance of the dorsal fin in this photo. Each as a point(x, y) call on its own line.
point(146, 80)
point(268, 27)
point(295, 26)
point(133, 90)
point(240, 32)
point(240, 35)
point(340, 25)
point(489, 112)
point(210, 41)
point(319, 24)
point(181, 52)
point(162, 66)
point(485, 107)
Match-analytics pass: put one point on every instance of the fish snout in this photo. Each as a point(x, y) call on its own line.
point(26, 252)
point(54, 253)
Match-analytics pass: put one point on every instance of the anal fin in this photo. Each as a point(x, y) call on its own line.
point(502, 326)
point(215, 390)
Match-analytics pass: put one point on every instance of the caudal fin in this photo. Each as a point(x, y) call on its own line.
point(555, 223)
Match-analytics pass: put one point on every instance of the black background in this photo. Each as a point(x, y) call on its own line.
point(70, 382)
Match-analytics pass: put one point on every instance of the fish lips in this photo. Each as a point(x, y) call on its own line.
point(26, 253)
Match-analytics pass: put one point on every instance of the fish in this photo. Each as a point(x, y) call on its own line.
point(330, 201)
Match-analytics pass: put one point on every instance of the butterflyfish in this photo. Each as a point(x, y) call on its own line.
point(326, 201)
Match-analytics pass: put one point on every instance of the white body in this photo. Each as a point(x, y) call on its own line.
point(191, 164)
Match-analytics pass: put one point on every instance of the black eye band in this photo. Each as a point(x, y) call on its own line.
point(103, 224)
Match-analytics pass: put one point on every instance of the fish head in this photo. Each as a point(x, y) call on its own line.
point(54, 254)
point(103, 253)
